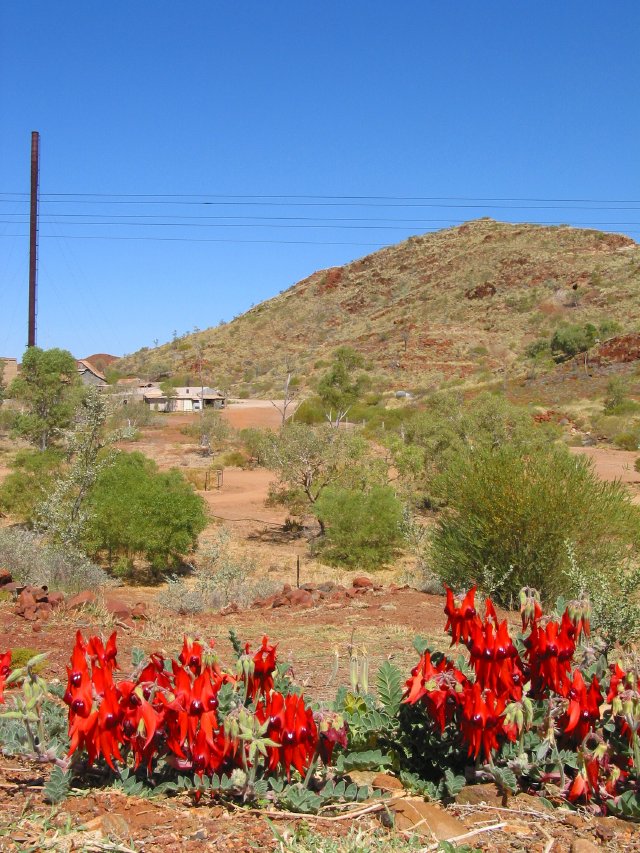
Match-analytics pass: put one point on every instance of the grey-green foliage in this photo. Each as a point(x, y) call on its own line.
point(615, 607)
point(220, 579)
point(307, 460)
point(63, 515)
point(31, 560)
point(358, 840)
point(510, 514)
point(13, 735)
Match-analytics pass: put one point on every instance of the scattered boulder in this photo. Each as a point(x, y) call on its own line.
point(362, 582)
point(80, 599)
point(5, 577)
point(140, 610)
point(117, 608)
point(36, 603)
point(300, 598)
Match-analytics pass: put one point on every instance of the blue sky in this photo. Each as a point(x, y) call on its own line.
point(167, 124)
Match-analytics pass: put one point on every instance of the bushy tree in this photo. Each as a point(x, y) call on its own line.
point(362, 529)
point(307, 460)
point(449, 426)
point(513, 518)
point(342, 385)
point(49, 387)
point(135, 510)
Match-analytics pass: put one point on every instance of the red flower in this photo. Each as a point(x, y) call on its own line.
point(481, 722)
point(495, 658)
point(440, 688)
point(292, 727)
point(332, 731)
point(584, 707)
point(5, 667)
point(264, 665)
point(550, 651)
point(460, 615)
point(106, 656)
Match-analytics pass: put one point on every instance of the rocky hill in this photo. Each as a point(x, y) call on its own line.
point(458, 303)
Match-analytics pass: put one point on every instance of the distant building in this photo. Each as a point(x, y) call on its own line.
point(185, 399)
point(10, 370)
point(90, 375)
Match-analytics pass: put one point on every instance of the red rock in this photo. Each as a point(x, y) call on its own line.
point(41, 594)
point(56, 599)
point(286, 589)
point(362, 582)
point(338, 595)
point(29, 613)
point(13, 586)
point(300, 598)
point(310, 587)
point(80, 599)
point(140, 610)
point(25, 600)
point(5, 577)
point(279, 601)
point(117, 608)
point(230, 608)
point(37, 626)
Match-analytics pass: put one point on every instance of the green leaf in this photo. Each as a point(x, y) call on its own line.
point(57, 788)
point(505, 778)
point(420, 644)
point(372, 759)
point(454, 784)
point(389, 685)
point(137, 656)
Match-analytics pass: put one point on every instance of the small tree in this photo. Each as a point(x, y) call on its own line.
point(341, 387)
point(288, 397)
point(362, 529)
point(169, 391)
point(512, 518)
point(49, 387)
point(62, 515)
point(307, 460)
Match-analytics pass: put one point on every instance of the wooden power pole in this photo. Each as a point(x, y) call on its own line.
point(33, 237)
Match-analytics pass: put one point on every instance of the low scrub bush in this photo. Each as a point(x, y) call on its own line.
point(627, 440)
point(220, 579)
point(511, 517)
point(32, 561)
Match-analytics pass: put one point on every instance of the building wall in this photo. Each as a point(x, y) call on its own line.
point(10, 370)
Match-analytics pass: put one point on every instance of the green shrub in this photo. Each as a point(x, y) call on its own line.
point(310, 411)
point(627, 440)
point(362, 529)
point(511, 517)
point(134, 509)
point(33, 476)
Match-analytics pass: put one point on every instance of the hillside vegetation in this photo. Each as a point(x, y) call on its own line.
point(465, 302)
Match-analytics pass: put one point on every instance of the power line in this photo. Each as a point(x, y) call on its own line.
point(201, 240)
point(323, 219)
point(330, 197)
